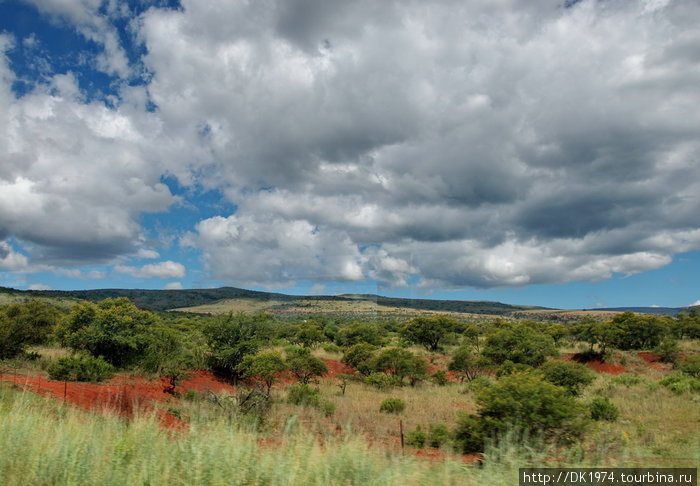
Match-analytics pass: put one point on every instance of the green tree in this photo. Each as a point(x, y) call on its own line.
point(360, 332)
point(231, 338)
point(572, 376)
point(305, 366)
point(263, 368)
point(519, 344)
point(528, 402)
point(466, 363)
point(308, 335)
point(635, 331)
point(430, 332)
point(400, 363)
point(114, 329)
point(25, 324)
point(359, 356)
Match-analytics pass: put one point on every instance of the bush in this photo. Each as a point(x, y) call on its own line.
point(528, 402)
point(519, 344)
point(331, 348)
point(466, 363)
point(510, 368)
point(302, 394)
point(417, 438)
point(440, 378)
point(381, 381)
point(304, 366)
point(400, 363)
point(80, 368)
point(392, 405)
point(359, 356)
point(478, 384)
point(469, 434)
point(572, 376)
point(602, 408)
point(680, 384)
point(438, 435)
point(690, 365)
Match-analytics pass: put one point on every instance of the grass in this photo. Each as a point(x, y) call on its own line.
point(46, 442)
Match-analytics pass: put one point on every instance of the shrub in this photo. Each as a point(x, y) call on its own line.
point(359, 356)
point(528, 402)
point(304, 366)
point(690, 365)
point(602, 408)
point(392, 405)
point(510, 368)
point(680, 384)
point(627, 380)
point(302, 394)
point(80, 368)
point(466, 363)
point(417, 438)
point(400, 363)
point(381, 381)
point(263, 368)
point(668, 350)
point(331, 348)
point(438, 435)
point(478, 384)
point(572, 376)
point(440, 378)
point(519, 344)
point(469, 434)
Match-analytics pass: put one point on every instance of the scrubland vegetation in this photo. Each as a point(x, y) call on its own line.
point(327, 400)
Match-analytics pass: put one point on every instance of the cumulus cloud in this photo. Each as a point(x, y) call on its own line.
point(466, 145)
point(436, 144)
point(166, 269)
point(173, 286)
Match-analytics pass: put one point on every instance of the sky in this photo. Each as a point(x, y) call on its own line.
point(543, 153)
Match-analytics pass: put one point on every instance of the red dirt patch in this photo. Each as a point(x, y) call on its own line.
point(124, 394)
point(597, 365)
point(336, 368)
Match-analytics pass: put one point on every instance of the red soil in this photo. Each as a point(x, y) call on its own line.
point(336, 368)
point(124, 394)
point(596, 365)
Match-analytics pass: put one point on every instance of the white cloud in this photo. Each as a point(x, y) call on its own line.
point(166, 269)
point(697, 302)
point(453, 144)
point(39, 286)
point(173, 286)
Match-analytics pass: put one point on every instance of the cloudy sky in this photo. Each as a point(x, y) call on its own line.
point(530, 152)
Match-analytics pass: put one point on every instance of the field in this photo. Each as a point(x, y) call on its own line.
point(108, 393)
point(131, 431)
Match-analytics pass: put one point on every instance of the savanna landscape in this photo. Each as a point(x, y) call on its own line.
point(107, 393)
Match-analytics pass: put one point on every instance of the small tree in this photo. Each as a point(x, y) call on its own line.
point(528, 402)
point(308, 335)
point(519, 344)
point(304, 366)
point(263, 367)
point(400, 363)
point(572, 376)
point(359, 356)
point(467, 364)
point(429, 332)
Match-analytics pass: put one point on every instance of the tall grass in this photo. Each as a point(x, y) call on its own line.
point(45, 442)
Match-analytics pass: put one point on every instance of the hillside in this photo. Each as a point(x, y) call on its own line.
point(226, 299)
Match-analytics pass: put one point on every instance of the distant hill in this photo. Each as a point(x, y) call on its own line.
point(227, 299)
point(668, 311)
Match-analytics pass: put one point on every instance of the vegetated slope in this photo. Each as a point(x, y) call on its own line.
point(227, 299)
point(670, 311)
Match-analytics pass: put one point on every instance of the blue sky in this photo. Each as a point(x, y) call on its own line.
point(527, 152)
